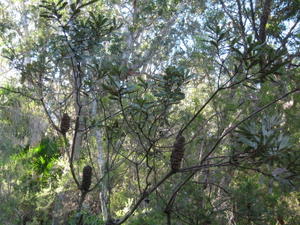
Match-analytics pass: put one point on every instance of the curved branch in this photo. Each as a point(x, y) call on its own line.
point(144, 195)
point(245, 119)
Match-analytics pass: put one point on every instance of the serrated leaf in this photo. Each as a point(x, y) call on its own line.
point(63, 6)
point(249, 39)
point(143, 83)
point(253, 63)
point(248, 142)
point(237, 51)
point(112, 97)
point(48, 7)
point(88, 3)
point(59, 2)
point(47, 16)
point(110, 89)
point(116, 83)
point(73, 7)
point(214, 43)
point(222, 35)
point(77, 11)
point(284, 143)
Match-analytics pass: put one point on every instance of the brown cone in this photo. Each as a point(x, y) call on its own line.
point(177, 153)
point(86, 178)
point(65, 123)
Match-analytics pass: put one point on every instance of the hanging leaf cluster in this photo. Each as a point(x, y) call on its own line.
point(170, 84)
point(52, 10)
point(263, 139)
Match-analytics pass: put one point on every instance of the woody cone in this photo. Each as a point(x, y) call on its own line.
point(177, 153)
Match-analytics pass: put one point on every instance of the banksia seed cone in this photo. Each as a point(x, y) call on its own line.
point(86, 178)
point(178, 152)
point(65, 123)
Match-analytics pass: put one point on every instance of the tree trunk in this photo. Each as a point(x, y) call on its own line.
point(57, 214)
point(104, 197)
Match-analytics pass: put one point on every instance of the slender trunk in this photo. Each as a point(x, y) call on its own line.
point(76, 78)
point(57, 214)
point(79, 137)
point(104, 197)
point(264, 20)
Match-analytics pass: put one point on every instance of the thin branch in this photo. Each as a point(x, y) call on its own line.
point(194, 169)
point(20, 93)
point(223, 87)
point(144, 195)
point(49, 116)
point(253, 19)
point(245, 119)
point(73, 147)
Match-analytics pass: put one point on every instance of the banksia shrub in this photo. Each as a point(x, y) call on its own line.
point(178, 152)
point(86, 178)
point(65, 123)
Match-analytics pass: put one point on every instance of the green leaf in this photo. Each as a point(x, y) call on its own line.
point(214, 43)
point(47, 16)
point(88, 3)
point(222, 35)
point(248, 142)
point(237, 51)
point(59, 2)
point(284, 143)
point(63, 6)
point(143, 82)
point(73, 7)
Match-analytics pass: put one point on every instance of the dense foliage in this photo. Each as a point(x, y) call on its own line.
point(150, 112)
